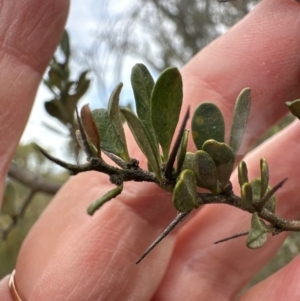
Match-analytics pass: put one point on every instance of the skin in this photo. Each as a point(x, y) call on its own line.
point(69, 255)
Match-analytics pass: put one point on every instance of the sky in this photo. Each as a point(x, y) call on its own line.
point(84, 18)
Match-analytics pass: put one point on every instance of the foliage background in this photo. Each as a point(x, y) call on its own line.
point(159, 33)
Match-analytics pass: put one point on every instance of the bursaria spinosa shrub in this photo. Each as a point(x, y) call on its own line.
point(158, 106)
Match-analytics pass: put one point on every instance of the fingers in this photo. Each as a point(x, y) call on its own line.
point(93, 258)
point(283, 285)
point(29, 33)
point(260, 52)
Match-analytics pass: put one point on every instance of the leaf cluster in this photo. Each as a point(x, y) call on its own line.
point(158, 107)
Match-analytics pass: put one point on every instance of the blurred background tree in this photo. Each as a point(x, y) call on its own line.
point(160, 33)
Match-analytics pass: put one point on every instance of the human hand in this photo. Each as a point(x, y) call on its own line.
point(69, 255)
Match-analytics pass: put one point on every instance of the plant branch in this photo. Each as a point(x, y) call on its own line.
point(32, 181)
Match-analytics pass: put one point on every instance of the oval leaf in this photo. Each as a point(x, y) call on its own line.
point(109, 138)
point(142, 85)
point(223, 157)
point(258, 234)
point(205, 170)
point(143, 140)
point(166, 101)
point(264, 170)
point(242, 173)
point(188, 162)
point(114, 115)
point(90, 126)
point(240, 118)
point(207, 123)
point(247, 197)
point(185, 192)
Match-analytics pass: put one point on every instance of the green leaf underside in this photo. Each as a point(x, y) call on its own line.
point(205, 170)
point(246, 197)
point(109, 140)
point(182, 150)
point(264, 169)
point(294, 107)
point(185, 192)
point(207, 123)
point(256, 189)
point(114, 115)
point(166, 101)
point(258, 234)
point(143, 140)
point(188, 162)
point(240, 118)
point(142, 85)
point(242, 173)
point(105, 198)
point(223, 157)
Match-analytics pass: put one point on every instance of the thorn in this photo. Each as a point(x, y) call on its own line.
point(172, 157)
point(179, 218)
point(260, 205)
point(231, 237)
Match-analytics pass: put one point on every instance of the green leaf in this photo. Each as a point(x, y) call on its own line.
point(247, 197)
point(113, 111)
point(207, 123)
point(258, 234)
point(65, 45)
point(206, 171)
point(188, 162)
point(55, 78)
point(185, 192)
point(242, 173)
point(166, 101)
point(142, 85)
point(182, 150)
point(110, 141)
point(223, 157)
point(240, 118)
point(55, 109)
point(105, 198)
point(143, 140)
point(264, 169)
point(294, 107)
point(256, 188)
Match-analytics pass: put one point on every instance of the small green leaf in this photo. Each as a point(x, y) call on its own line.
point(240, 118)
point(188, 162)
point(264, 169)
point(113, 111)
point(247, 197)
point(185, 192)
point(256, 188)
point(65, 44)
point(294, 107)
point(142, 85)
point(182, 150)
point(242, 173)
point(205, 170)
point(166, 101)
point(223, 157)
point(105, 198)
point(55, 109)
point(258, 234)
point(55, 78)
point(143, 140)
point(110, 141)
point(207, 123)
